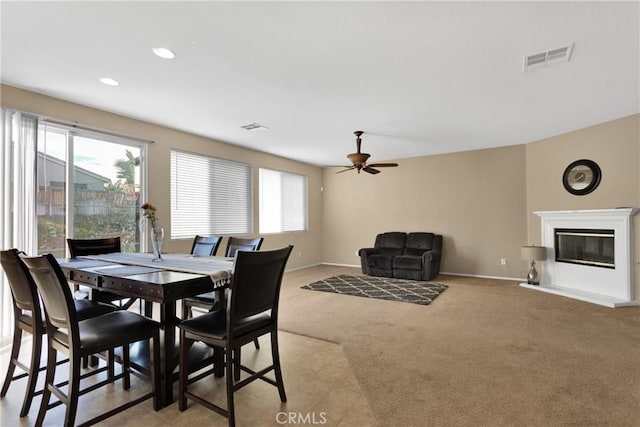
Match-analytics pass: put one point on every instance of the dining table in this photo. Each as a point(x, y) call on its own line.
point(164, 281)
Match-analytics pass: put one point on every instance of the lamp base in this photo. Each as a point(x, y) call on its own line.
point(532, 277)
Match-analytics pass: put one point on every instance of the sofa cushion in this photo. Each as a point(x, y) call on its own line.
point(418, 243)
point(392, 239)
point(407, 262)
point(381, 261)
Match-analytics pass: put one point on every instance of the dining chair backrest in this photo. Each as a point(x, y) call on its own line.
point(205, 245)
point(55, 292)
point(23, 289)
point(77, 340)
point(83, 247)
point(256, 283)
point(236, 244)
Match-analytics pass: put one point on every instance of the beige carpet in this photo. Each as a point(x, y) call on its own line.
point(485, 352)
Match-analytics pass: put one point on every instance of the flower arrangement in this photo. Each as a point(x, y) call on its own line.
point(150, 214)
point(157, 234)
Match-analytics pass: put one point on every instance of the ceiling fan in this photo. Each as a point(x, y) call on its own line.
point(359, 159)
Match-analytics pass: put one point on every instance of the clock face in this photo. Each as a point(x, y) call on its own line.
point(581, 177)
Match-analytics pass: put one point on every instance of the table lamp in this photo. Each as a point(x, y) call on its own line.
point(533, 254)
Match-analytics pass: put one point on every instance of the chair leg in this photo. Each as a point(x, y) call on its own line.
point(73, 390)
point(186, 310)
point(93, 360)
point(48, 383)
point(126, 367)
point(256, 343)
point(184, 371)
point(275, 354)
point(110, 365)
point(236, 363)
point(15, 352)
point(155, 382)
point(231, 415)
point(148, 309)
point(218, 362)
point(34, 368)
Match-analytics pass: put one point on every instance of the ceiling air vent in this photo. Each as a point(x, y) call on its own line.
point(254, 126)
point(550, 57)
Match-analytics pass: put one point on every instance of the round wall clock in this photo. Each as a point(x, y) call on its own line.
point(581, 177)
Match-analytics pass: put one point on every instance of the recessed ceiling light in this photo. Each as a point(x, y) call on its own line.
point(109, 81)
point(163, 52)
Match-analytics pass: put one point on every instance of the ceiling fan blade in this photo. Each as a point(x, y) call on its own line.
point(370, 170)
point(383, 165)
point(348, 168)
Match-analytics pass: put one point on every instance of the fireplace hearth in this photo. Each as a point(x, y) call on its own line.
point(589, 255)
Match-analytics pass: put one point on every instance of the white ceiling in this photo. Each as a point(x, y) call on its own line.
point(419, 78)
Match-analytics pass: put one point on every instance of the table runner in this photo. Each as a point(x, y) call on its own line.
point(218, 268)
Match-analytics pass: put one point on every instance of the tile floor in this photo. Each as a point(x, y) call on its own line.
point(320, 386)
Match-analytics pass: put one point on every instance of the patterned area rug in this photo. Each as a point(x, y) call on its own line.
point(380, 287)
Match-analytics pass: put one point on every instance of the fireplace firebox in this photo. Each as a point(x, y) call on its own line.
point(594, 247)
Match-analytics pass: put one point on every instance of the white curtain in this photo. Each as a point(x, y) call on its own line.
point(18, 194)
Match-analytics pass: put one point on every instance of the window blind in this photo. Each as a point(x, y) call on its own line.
point(209, 196)
point(283, 201)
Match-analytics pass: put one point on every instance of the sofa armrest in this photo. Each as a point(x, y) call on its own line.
point(430, 264)
point(430, 256)
point(364, 253)
point(368, 251)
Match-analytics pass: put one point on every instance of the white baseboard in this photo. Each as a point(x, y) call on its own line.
point(303, 267)
point(341, 265)
point(480, 276)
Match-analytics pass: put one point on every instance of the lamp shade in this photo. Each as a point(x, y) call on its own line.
point(535, 253)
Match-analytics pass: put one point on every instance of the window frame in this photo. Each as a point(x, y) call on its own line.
point(179, 230)
point(70, 133)
point(305, 202)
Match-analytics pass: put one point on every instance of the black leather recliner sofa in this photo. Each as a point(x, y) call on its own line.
point(414, 256)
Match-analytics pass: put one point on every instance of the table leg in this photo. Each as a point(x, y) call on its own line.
point(168, 320)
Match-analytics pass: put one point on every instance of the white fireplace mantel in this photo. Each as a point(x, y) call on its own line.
point(611, 287)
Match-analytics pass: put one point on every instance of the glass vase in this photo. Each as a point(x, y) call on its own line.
point(157, 237)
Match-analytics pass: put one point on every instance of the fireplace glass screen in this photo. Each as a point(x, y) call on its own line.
point(585, 246)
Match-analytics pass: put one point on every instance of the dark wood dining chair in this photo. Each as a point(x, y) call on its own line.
point(28, 317)
point(77, 339)
point(235, 244)
point(87, 247)
point(208, 300)
point(252, 312)
point(205, 245)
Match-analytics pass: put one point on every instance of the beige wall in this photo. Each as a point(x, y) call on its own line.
point(475, 199)
point(481, 201)
point(308, 247)
point(614, 146)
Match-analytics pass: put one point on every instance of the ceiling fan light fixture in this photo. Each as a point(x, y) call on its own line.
point(359, 159)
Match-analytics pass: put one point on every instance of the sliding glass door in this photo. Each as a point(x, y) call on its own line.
point(89, 186)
